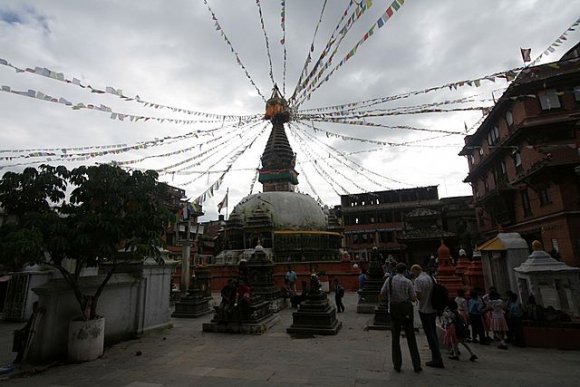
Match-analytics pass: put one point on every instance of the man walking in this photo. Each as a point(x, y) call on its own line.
point(338, 295)
point(423, 288)
point(401, 294)
point(290, 279)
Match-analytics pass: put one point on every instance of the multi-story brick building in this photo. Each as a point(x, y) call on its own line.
point(523, 159)
point(407, 223)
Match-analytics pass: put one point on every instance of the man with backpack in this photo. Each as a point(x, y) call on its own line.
point(424, 285)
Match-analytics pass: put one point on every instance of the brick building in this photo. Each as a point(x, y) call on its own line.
point(407, 223)
point(523, 159)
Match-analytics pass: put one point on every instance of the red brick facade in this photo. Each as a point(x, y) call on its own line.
point(524, 158)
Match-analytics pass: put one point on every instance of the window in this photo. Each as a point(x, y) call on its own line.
point(544, 196)
point(500, 172)
point(577, 93)
point(355, 220)
point(517, 160)
point(471, 160)
point(493, 136)
point(526, 204)
point(509, 118)
point(481, 151)
point(549, 99)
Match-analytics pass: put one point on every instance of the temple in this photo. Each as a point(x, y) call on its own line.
point(291, 226)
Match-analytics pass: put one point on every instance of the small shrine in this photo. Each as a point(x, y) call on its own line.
point(369, 295)
point(258, 272)
point(382, 318)
point(240, 309)
point(315, 316)
point(196, 302)
point(446, 271)
point(499, 256)
point(551, 282)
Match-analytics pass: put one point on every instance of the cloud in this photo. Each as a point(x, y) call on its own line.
point(171, 53)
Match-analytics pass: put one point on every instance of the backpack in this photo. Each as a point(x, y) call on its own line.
point(439, 296)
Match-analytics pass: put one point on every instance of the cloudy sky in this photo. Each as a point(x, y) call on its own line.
point(170, 53)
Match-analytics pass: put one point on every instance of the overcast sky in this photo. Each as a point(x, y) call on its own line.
point(170, 53)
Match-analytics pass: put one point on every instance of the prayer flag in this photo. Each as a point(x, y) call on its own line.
point(526, 52)
point(380, 22)
point(223, 203)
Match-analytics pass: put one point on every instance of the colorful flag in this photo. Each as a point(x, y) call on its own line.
point(526, 52)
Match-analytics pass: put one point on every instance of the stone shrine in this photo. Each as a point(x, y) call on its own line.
point(195, 303)
point(257, 272)
point(315, 316)
point(241, 311)
point(369, 294)
point(553, 283)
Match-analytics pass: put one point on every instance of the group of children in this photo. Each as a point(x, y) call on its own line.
point(484, 314)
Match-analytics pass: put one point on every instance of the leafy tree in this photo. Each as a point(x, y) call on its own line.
point(109, 217)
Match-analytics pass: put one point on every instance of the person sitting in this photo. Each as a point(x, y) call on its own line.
point(229, 300)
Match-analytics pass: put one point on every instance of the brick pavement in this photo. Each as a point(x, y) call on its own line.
point(185, 356)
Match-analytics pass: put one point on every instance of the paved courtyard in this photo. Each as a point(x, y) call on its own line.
point(185, 356)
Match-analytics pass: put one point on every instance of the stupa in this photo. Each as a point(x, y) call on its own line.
point(291, 226)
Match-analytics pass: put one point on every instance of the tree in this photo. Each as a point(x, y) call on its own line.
point(109, 217)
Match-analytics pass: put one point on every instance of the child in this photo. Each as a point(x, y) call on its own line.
point(498, 323)
point(456, 332)
point(462, 305)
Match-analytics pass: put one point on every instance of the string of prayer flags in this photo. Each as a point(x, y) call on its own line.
point(43, 71)
point(267, 41)
point(319, 80)
point(229, 43)
point(552, 47)
point(343, 159)
point(283, 42)
point(309, 82)
point(31, 93)
point(208, 193)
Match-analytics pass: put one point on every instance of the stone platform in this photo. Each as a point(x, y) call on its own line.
point(257, 328)
point(186, 356)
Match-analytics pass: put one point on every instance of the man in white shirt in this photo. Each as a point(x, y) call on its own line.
point(423, 288)
point(401, 294)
